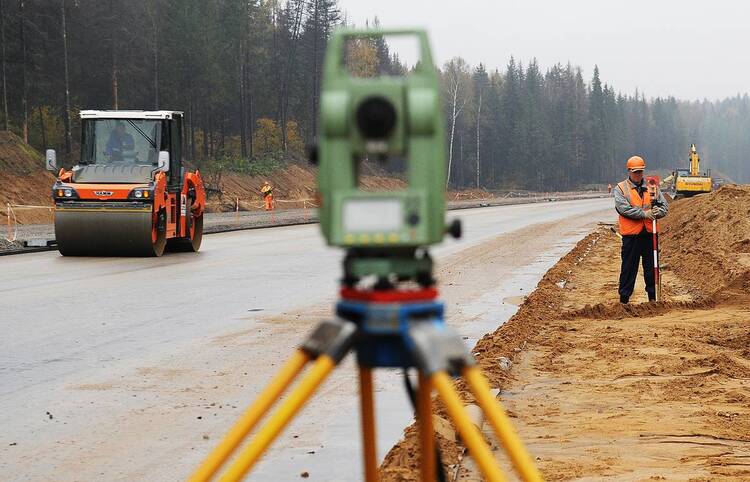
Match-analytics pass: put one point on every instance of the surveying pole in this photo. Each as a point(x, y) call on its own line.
point(653, 188)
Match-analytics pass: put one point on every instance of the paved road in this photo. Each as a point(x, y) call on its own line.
point(130, 369)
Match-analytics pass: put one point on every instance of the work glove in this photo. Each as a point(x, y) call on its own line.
point(648, 214)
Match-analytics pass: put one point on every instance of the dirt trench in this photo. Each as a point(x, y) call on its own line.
point(647, 391)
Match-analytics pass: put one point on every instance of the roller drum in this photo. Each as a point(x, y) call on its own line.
point(114, 229)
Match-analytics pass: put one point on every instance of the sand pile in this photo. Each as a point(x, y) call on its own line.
point(706, 239)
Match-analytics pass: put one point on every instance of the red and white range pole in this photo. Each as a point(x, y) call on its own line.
point(657, 275)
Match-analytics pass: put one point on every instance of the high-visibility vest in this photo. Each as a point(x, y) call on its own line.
point(629, 226)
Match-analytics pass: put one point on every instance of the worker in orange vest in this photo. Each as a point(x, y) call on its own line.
point(637, 211)
point(267, 192)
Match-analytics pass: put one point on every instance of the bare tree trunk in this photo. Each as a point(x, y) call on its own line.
point(66, 118)
point(24, 96)
point(192, 128)
point(276, 62)
point(479, 118)
point(454, 116)
point(205, 135)
point(251, 122)
point(243, 119)
point(248, 94)
point(461, 180)
point(316, 92)
point(492, 168)
point(41, 125)
point(291, 53)
point(222, 135)
point(5, 88)
point(113, 53)
point(156, 54)
point(211, 148)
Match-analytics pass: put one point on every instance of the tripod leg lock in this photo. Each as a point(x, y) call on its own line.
point(331, 337)
point(438, 348)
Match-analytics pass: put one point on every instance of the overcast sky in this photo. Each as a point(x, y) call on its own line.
point(689, 49)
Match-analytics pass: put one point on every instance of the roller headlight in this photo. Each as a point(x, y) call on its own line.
point(141, 194)
point(61, 191)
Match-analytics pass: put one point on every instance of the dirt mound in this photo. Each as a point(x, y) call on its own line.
point(573, 346)
point(545, 303)
point(294, 185)
point(290, 183)
point(24, 180)
point(706, 238)
point(618, 311)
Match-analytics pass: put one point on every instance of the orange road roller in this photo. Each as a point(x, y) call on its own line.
point(129, 195)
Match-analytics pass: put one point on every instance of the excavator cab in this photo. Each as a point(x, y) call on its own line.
point(128, 194)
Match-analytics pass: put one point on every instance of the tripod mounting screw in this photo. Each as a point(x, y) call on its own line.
point(455, 229)
point(312, 154)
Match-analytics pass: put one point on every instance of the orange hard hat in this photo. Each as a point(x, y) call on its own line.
point(636, 163)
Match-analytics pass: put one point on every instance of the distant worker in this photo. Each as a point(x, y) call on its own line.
point(637, 211)
point(119, 141)
point(609, 188)
point(267, 192)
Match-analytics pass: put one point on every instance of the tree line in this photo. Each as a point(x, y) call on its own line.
point(530, 129)
point(247, 75)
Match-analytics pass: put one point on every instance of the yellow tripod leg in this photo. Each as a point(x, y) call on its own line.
point(369, 445)
point(469, 433)
point(280, 418)
point(250, 418)
point(502, 425)
point(426, 430)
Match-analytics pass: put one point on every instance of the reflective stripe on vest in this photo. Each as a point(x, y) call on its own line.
point(629, 227)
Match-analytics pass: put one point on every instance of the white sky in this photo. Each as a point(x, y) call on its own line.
point(689, 49)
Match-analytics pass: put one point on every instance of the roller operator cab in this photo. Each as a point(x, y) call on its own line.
point(129, 194)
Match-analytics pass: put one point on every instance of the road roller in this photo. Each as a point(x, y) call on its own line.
point(129, 194)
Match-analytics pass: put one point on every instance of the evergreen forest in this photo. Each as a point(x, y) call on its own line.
point(247, 75)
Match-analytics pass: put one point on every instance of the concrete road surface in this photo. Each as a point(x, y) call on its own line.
point(132, 369)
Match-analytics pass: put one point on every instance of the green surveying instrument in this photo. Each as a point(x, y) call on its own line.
point(388, 313)
point(381, 118)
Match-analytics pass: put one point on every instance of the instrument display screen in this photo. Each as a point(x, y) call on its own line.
point(373, 215)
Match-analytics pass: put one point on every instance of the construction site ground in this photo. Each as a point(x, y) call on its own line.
point(105, 380)
point(647, 391)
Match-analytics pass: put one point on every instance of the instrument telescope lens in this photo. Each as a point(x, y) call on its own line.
point(376, 118)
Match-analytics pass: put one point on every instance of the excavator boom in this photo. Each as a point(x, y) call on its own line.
point(689, 182)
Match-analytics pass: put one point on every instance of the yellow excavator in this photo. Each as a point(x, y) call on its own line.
point(689, 182)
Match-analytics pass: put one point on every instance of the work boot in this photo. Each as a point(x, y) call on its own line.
point(624, 299)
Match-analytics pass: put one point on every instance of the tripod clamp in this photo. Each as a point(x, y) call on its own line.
point(331, 337)
point(439, 349)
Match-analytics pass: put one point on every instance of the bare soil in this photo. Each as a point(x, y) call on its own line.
point(645, 391)
point(24, 181)
point(294, 187)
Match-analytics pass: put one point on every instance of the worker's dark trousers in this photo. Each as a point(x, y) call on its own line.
point(634, 248)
